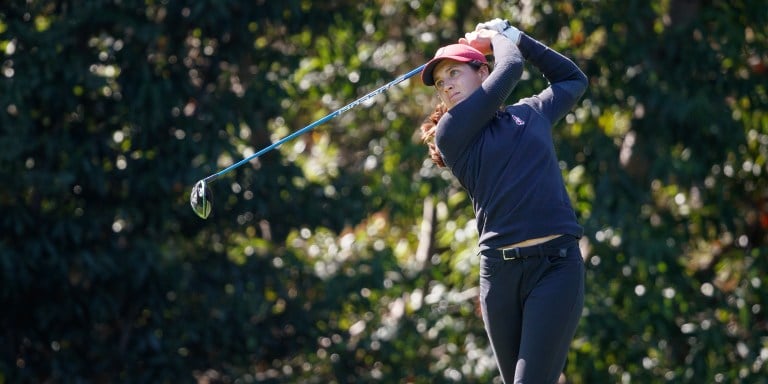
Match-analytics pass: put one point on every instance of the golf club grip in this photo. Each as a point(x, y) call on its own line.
point(316, 123)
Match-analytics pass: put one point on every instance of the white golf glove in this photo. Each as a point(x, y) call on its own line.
point(503, 27)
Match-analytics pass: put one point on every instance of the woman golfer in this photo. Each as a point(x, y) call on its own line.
point(531, 269)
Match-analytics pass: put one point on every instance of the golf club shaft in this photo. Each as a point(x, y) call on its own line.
point(316, 123)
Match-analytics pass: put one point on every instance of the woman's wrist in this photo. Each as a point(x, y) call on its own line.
point(512, 33)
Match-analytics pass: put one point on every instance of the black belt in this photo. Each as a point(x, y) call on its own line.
point(560, 244)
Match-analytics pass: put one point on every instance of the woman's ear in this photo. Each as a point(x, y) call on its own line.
point(484, 72)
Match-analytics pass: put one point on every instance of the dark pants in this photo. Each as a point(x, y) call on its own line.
point(531, 307)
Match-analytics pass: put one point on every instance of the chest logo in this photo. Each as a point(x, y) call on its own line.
point(518, 120)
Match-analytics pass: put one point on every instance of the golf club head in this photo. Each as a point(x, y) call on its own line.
point(201, 200)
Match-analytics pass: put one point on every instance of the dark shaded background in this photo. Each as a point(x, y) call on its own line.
point(345, 256)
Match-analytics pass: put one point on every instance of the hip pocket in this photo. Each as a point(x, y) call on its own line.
point(489, 266)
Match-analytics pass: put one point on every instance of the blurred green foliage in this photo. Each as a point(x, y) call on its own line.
point(345, 256)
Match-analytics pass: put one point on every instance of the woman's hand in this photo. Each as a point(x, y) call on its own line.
point(503, 27)
point(480, 40)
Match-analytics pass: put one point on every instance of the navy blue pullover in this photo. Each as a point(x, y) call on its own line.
point(505, 158)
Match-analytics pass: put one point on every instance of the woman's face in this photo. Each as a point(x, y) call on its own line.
point(455, 81)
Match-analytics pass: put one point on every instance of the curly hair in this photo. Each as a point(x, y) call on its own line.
point(428, 128)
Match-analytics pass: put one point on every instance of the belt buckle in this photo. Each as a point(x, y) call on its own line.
point(514, 251)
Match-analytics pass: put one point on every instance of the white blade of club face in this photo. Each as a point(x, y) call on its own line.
point(200, 200)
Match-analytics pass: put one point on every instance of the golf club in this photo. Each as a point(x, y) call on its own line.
point(201, 198)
